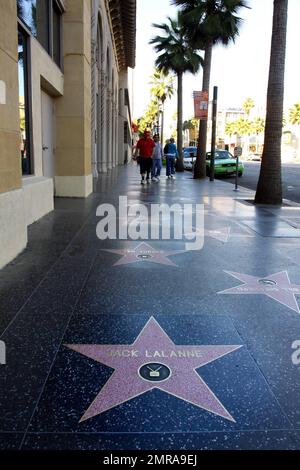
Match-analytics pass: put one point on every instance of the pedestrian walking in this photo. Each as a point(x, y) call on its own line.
point(145, 147)
point(171, 154)
point(156, 159)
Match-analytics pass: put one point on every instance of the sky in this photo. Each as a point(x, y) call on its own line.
point(240, 70)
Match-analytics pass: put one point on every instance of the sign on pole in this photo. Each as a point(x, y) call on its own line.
point(238, 151)
point(201, 104)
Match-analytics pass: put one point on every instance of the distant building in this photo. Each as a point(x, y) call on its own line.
point(223, 118)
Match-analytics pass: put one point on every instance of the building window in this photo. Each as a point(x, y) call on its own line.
point(126, 97)
point(120, 98)
point(24, 104)
point(35, 15)
point(126, 133)
point(42, 18)
point(56, 33)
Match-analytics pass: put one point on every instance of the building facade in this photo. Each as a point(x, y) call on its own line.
point(64, 104)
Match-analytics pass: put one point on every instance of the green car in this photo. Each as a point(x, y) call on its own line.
point(225, 164)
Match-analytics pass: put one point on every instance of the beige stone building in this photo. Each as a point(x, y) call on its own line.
point(64, 104)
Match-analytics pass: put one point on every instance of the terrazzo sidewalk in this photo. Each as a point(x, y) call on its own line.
point(120, 344)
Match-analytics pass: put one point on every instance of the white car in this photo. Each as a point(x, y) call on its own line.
point(189, 157)
point(254, 157)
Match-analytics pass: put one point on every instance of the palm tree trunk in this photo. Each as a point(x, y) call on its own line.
point(162, 123)
point(200, 166)
point(269, 188)
point(179, 166)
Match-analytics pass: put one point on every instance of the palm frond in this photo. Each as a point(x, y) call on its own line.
point(174, 51)
point(211, 20)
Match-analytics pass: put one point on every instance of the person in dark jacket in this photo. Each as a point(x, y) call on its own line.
point(171, 154)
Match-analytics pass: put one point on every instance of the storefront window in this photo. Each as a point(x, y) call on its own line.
point(23, 104)
point(35, 15)
point(43, 19)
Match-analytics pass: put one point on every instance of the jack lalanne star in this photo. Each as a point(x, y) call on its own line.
point(154, 353)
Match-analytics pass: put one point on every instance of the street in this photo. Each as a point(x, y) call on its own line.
point(290, 179)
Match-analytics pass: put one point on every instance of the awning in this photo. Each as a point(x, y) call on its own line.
point(123, 19)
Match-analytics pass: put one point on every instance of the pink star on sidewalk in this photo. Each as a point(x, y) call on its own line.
point(154, 361)
point(221, 234)
point(276, 286)
point(144, 252)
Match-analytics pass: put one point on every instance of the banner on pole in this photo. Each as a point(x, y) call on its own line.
point(201, 104)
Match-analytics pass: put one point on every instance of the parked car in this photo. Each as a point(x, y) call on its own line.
point(225, 164)
point(254, 157)
point(189, 157)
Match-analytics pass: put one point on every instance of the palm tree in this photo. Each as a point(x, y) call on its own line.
point(284, 121)
point(209, 22)
point(231, 129)
point(258, 127)
point(148, 120)
point(191, 125)
point(162, 89)
point(151, 113)
point(247, 106)
point(177, 56)
point(294, 114)
point(269, 188)
point(244, 128)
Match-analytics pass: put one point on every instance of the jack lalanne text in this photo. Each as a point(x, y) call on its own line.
point(154, 353)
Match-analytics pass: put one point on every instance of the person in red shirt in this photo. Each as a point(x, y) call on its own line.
point(145, 147)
